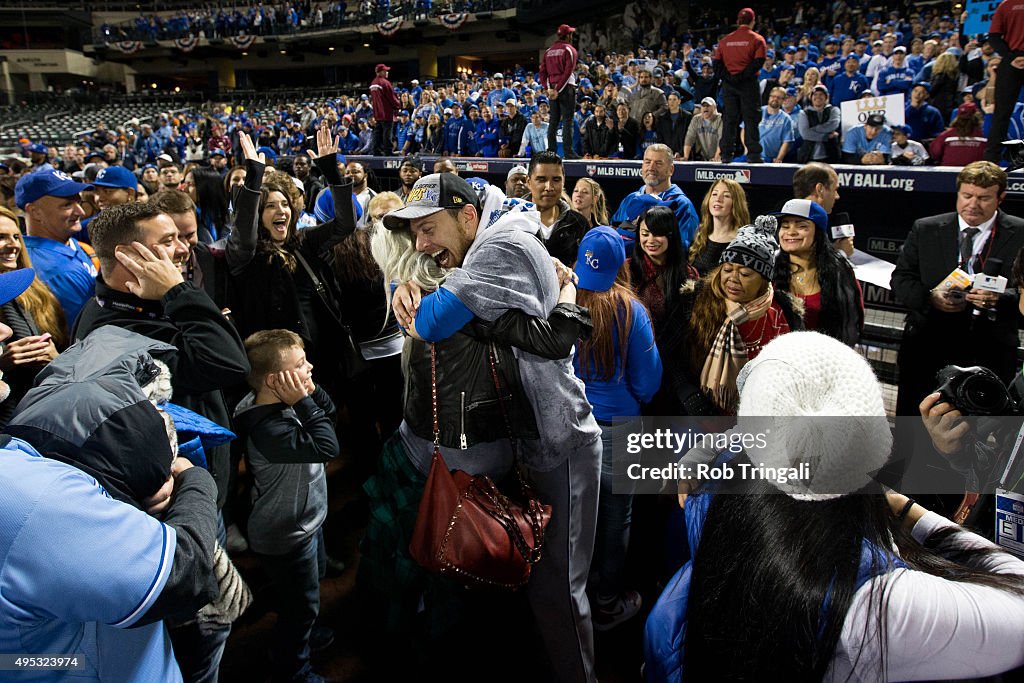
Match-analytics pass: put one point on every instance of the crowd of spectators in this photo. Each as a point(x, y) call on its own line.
point(279, 18)
point(201, 228)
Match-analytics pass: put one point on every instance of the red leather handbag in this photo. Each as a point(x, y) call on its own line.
point(468, 530)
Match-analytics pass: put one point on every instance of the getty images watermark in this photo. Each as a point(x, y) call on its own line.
point(814, 455)
point(667, 440)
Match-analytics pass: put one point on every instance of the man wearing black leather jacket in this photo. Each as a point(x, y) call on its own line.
point(492, 271)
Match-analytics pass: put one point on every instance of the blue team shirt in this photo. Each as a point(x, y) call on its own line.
point(845, 88)
point(925, 121)
point(78, 569)
point(856, 142)
point(893, 80)
point(66, 269)
point(775, 129)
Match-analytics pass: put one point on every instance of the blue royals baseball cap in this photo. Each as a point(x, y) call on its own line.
point(805, 208)
point(599, 258)
point(13, 283)
point(35, 186)
point(116, 176)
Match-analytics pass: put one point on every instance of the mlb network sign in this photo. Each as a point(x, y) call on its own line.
point(708, 175)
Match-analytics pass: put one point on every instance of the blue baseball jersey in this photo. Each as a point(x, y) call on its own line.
point(856, 142)
point(78, 569)
point(66, 269)
point(775, 129)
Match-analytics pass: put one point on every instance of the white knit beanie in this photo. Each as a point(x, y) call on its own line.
point(818, 403)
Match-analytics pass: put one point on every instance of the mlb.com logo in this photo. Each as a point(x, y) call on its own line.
point(710, 175)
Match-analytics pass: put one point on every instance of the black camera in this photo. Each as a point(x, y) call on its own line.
point(975, 391)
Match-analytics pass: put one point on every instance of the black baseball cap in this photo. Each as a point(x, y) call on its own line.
point(430, 194)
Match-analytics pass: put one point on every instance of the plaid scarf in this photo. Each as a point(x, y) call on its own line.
point(728, 354)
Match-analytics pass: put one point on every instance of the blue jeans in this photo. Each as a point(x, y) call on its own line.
point(614, 516)
point(296, 592)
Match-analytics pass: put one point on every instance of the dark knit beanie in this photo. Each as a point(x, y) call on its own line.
point(755, 247)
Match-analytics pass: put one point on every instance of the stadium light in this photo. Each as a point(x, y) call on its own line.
point(330, 49)
point(153, 86)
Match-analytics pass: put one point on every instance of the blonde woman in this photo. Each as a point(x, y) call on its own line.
point(812, 77)
point(35, 317)
point(722, 212)
point(945, 84)
point(588, 199)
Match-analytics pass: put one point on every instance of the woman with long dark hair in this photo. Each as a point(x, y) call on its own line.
point(722, 212)
point(206, 188)
point(809, 267)
point(829, 577)
point(39, 330)
point(658, 268)
point(280, 278)
point(621, 369)
point(647, 137)
point(723, 321)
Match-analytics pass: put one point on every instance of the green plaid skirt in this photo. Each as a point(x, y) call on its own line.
point(401, 585)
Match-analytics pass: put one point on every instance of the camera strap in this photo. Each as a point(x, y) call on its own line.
point(1004, 482)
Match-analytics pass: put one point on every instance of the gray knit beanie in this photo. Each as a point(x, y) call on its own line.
point(755, 247)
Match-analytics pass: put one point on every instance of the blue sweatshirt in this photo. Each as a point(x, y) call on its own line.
point(622, 395)
point(487, 137)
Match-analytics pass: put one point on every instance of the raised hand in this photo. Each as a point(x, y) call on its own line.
point(249, 149)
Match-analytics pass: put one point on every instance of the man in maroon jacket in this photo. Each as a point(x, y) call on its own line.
point(1006, 35)
point(558, 75)
point(385, 104)
point(738, 60)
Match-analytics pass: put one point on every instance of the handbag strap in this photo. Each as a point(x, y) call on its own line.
point(433, 397)
point(532, 506)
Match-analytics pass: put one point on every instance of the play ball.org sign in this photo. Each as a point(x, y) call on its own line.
point(709, 175)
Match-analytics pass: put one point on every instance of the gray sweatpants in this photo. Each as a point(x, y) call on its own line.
point(557, 588)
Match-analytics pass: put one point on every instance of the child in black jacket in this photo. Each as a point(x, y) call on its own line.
point(287, 424)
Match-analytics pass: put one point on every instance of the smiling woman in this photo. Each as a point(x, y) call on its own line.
point(281, 278)
point(725, 319)
point(35, 318)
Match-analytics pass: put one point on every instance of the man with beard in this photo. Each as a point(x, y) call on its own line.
point(409, 172)
point(657, 170)
point(363, 192)
point(646, 97)
point(53, 214)
point(170, 177)
point(492, 267)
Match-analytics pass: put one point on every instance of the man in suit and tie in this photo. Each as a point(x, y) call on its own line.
point(942, 328)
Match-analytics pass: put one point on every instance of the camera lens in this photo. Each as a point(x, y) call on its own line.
point(983, 395)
